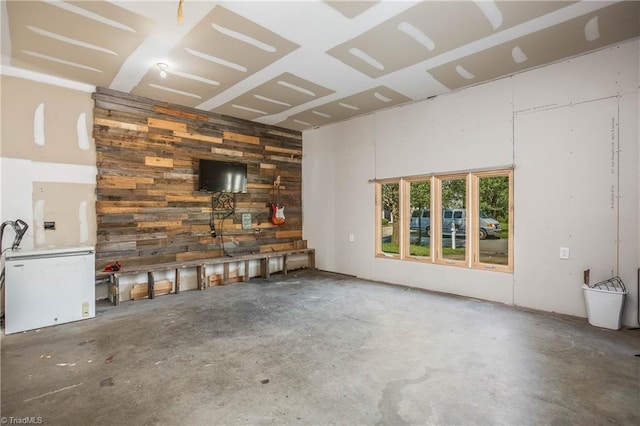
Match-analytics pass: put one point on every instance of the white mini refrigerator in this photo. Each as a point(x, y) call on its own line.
point(48, 287)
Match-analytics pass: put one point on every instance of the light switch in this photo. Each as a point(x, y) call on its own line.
point(352, 238)
point(564, 253)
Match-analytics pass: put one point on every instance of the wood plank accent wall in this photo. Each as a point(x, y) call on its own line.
point(149, 209)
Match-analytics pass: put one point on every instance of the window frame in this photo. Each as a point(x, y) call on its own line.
point(378, 233)
point(439, 259)
point(406, 230)
point(472, 219)
point(476, 263)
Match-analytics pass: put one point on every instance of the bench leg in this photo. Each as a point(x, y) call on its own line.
point(151, 285)
point(246, 271)
point(201, 277)
point(177, 290)
point(312, 260)
point(264, 267)
point(284, 264)
point(225, 273)
point(114, 285)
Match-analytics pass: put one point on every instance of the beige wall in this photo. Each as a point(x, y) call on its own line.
point(71, 207)
point(46, 123)
point(47, 162)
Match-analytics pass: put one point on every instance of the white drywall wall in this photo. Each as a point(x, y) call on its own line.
point(18, 176)
point(601, 74)
point(17, 186)
point(572, 103)
point(629, 202)
point(353, 234)
point(566, 185)
point(318, 198)
point(458, 131)
point(341, 180)
point(603, 86)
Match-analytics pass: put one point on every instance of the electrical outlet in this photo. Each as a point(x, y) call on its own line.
point(49, 225)
point(352, 238)
point(564, 253)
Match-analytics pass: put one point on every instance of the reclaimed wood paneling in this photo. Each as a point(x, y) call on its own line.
point(165, 124)
point(149, 209)
point(176, 113)
point(241, 137)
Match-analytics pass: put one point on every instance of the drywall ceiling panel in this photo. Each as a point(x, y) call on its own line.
point(80, 41)
point(221, 50)
point(273, 97)
point(429, 29)
point(511, 13)
point(359, 104)
point(591, 31)
point(179, 87)
point(351, 9)
point(225, 54)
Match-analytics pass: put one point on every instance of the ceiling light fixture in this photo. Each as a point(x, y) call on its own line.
point(163, 69)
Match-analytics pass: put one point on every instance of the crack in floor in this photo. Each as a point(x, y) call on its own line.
point(389, 404)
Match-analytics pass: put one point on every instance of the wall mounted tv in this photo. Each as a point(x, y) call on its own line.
point(222, 176)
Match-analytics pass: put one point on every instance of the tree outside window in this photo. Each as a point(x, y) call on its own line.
point(390, 222)
point(419, 215)
point(494, 218)
point(453, 220)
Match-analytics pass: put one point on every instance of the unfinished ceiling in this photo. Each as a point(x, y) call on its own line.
point(301, 65)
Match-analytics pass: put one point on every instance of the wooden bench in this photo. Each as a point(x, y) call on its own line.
point(200, 265)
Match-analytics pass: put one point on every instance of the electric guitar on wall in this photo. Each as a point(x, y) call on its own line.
point(277, 209)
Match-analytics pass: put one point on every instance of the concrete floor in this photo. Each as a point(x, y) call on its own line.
point(316, 348)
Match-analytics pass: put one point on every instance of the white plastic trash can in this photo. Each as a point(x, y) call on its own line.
point(605, 304)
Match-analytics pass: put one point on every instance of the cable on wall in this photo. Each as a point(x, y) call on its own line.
point(222, 207)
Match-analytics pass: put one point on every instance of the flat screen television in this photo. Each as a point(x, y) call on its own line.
point(222, 176)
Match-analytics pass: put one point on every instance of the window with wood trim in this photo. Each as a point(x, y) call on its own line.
point(388, 218)
point(461, 219)
point(418, 218)
point(452, 219)
point(493, 220)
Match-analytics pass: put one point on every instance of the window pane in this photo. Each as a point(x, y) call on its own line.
point(494, 220)
point(420, 221)
point(454, 198)
point(390, 232)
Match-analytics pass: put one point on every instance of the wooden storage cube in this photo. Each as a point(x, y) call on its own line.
point(141, 291)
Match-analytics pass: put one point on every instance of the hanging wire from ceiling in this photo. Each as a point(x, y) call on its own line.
point(180, 14)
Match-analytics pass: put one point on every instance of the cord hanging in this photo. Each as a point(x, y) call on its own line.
point(222, 207)
point(180, 14)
